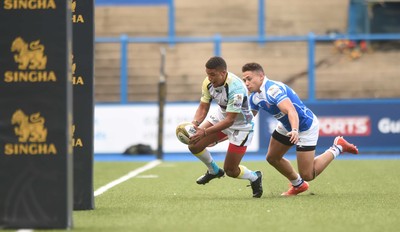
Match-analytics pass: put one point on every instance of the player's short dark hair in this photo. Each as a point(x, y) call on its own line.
point(252, 67)
point(216, 62)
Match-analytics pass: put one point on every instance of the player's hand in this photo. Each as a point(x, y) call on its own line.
point(294, 136)
point(200, 133)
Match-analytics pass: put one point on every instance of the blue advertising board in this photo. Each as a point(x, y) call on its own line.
point(373, 126)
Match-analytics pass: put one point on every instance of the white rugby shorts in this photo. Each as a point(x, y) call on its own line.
point(306, 138)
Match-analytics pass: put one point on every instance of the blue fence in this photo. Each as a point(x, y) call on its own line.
point(168, 3)
point(217, 40)
point(171, 11)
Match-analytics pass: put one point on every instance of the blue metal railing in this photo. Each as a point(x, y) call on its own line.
point(169, 3)
point(171, 12)
point(261, 18)
point(217, 40)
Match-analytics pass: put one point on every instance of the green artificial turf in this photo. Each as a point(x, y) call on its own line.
point(351, 195)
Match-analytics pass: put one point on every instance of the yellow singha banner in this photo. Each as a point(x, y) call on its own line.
point(29, 55)
point(29, 128)
point(73, 6)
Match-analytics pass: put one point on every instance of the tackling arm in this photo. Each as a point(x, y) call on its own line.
point(287, 107)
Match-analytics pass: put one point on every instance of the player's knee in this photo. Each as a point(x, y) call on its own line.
point(307, 176)
point(271, 160)
point(194, 149)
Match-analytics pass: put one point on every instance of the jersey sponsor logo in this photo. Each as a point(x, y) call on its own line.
point(279, 115)
point(345, 126)
point(274, 91)
point(237, 101)
point(389, 126)
point(32, 136)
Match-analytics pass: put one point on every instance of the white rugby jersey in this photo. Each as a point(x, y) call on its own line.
point(231, 97)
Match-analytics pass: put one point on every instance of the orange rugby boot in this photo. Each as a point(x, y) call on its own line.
point(293, 191)
point(346, 146)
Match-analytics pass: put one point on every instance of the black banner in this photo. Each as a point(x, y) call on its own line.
point(35, 114)
point(82, 71)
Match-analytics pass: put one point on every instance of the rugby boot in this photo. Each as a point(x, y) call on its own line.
point(293, 191)
point(204, 179)
point(346, 146)
point(256, 185)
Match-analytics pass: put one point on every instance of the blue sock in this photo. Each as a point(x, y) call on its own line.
point(215, 167)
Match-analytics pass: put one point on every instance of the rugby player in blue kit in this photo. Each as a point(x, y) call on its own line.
point(297, 125)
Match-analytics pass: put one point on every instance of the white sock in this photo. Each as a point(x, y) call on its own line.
point(206, 158)
point(247, 174)
point(297, 182)
point(339, 147)
point(335, 150)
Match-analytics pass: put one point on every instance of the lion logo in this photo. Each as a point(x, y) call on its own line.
point(73, 6)
point(29, 56)
point(29, 128)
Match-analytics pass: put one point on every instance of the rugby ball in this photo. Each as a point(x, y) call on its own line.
point(184, 131)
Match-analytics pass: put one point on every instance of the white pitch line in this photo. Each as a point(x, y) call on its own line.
point(116, 182)
point(128, 176)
